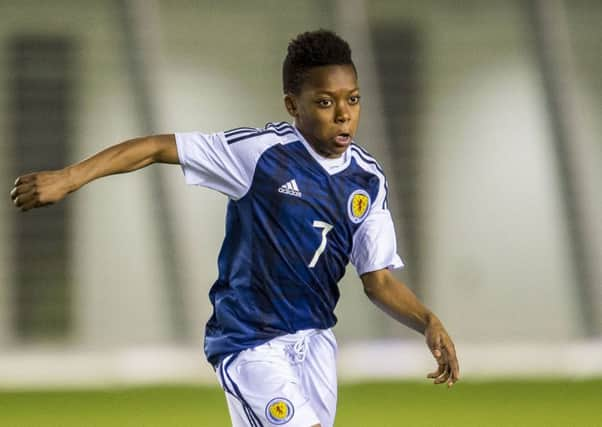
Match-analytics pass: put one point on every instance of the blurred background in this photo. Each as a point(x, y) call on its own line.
point(484, 114)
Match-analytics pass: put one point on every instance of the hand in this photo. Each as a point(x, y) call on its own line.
point(39, 189)
point(444, 352)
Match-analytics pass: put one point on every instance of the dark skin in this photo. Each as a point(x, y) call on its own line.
point(326, 111)
point(326, 108)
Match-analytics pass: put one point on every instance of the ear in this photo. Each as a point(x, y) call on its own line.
point(291, 105)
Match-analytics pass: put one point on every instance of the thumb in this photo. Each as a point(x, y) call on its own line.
point(436, 348)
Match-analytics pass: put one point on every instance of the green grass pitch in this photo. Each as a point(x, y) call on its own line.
point(483, 404)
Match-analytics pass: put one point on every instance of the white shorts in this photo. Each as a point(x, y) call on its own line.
point(290, 380)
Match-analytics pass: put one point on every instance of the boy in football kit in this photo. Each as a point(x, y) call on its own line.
point(304, 200)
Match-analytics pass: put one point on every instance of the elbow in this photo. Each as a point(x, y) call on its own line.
point(165, 149)
point(155, 150)
point(370, 290)
point(374, 284)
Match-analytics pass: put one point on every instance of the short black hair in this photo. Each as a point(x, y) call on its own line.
point(312, 49)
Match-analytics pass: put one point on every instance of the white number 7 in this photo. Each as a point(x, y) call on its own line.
point(326, 227)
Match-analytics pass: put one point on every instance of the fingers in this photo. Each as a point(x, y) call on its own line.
point(451, 373)
point(444, 377)
point(23, 186)
point(453, 364)
point(26, 201)
point(440, 370)
point(448, 370)
point(25, 194)
point(441, 375)
point(24, 179)
point(21, 189)
point(435, 347)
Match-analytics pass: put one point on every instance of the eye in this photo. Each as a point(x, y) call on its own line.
point(354, 99)
point(324, 103)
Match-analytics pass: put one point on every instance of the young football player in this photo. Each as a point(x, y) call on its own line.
point(304, 201)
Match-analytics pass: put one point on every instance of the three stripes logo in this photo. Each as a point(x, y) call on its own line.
point(290, 188)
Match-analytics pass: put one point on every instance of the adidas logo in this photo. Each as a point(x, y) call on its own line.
point(290, 188)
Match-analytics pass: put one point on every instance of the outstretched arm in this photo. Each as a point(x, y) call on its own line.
point(397, 300)
point(43, 188)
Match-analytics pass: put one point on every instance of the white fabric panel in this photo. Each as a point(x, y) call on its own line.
point(374, 242)
point(208, 160)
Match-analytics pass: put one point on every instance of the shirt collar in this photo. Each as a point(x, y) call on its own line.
point(331, 166)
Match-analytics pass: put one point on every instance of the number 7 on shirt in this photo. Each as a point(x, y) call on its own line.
point(326, 227)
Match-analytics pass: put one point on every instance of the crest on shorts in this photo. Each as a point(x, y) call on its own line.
point(358, 206)
point(279, 411)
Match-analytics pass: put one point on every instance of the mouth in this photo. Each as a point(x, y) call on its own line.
point(343, 139)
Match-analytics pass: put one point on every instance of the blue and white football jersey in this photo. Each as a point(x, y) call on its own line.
point(294, 221)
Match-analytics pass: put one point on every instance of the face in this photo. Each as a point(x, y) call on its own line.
point(327, 108)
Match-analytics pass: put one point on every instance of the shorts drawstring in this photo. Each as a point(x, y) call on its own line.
point(298, 351)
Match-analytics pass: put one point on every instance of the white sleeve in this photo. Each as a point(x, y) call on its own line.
point(210, 161)
point(374, 242)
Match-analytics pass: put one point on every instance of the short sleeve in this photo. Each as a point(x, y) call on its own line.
point(211, 161)
point(374, 243)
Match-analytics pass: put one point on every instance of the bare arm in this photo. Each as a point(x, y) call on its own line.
point(397, 300)
point(43, 188)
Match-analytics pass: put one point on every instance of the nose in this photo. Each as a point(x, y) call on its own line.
point(342, 114)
